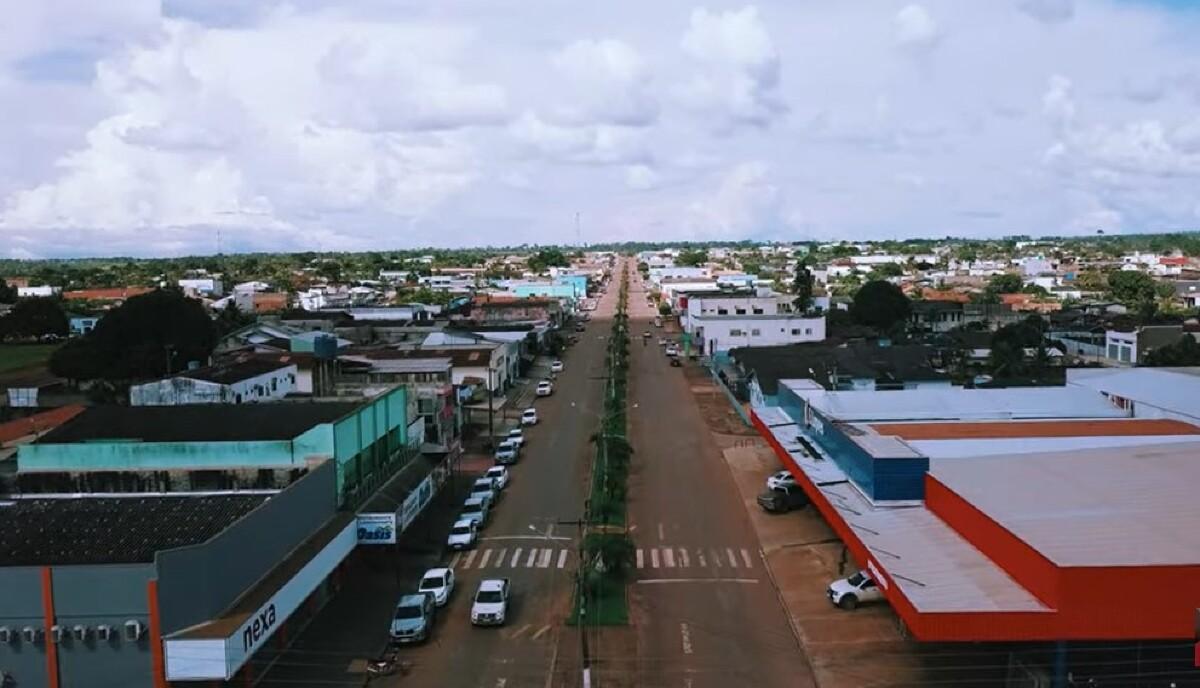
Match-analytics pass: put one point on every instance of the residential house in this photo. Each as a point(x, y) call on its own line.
point(1187, 292)
point(491, 309)
point(429, 381)
point(1029, 303)
point(114, 296)
point(208, 287)
point(238, 382)
point(935, 316)
point(80, 325)
point(44, 290)
point(1125, 348)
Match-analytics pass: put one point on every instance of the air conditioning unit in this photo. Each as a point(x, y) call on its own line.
point(56, 634)
point(31, 634)
point(79, 632)
point(104, 632)
point(133, 629)
point(6, 636)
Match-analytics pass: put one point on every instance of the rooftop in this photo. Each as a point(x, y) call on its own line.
point(113, 530)
point(1177, 389)
point(958, 404)
point(236, 371)
point(1124, 506)
point(198, 423)
point(1030, 429)
point(900, 362)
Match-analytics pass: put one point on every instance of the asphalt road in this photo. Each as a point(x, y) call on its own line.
point(706, 610)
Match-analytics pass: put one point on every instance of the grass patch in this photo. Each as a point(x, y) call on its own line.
point(17, 356)
point(607, 603)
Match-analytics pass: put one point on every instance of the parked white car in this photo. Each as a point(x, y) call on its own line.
point(476, 509)
point(491, 602)
point(463, 534)
point(515, 436)
point(556, 367)
point(486, 488)
point(529, 416)
point(545, 388)
point(506, 453)
point(440, 583)
point(499, 476)
point(780, 479)
point(848, 593)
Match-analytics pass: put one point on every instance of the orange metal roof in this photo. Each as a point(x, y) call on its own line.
point(1059, 428)
point(39, 422)
point(114, 293)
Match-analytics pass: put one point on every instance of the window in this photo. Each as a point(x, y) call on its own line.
point(1112, 351)
point(740, 311)
point(274, 384)
point(758, 311)
point(808, 330)
point(755, 333)
point(796, 331)
point(722, 311)
point(735, 332)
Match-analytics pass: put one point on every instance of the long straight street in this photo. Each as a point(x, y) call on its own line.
point(707, 613)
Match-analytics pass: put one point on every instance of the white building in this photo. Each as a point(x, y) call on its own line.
point(242, 382)
point(720, 333)
point(43, 290)
point(695, 306)
point(202, 286)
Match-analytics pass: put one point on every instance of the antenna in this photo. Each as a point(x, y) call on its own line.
point(578, 240)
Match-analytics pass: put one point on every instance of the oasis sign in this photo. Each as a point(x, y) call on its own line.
point(376, 529)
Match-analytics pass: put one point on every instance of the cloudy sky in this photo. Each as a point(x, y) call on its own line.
point(146, 128)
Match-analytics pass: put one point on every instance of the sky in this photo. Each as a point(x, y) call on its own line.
point(179, 127)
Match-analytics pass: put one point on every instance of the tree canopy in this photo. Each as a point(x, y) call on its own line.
point(802, 286)
point(1009, 343)
point(1005, 283)
point(881, 305)
point(692, 257)
point(547, 258)
point(34, 318)
point(1131, 288)
point(8, 294)
point(1185, 352)
point(148, 336)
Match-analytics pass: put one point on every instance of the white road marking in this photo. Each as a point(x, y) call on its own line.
point(716, 557)
point(654, 557)
point(661, 537)
point(668, 557)
point(641, 559)
point(520, 631)
point(659, 581)
point(501, 682)
point(487, 553)
point(470, 558)
point(686, 636)
point(562, 558)
point(746, 558)
point(532, 555)
point(683, 558)
point(540, 632)
point(500, 557)
point(700, 556)
point(516, 555)
point(544, 561)
point(454, 560)
point(732, 559)
point(524, 537)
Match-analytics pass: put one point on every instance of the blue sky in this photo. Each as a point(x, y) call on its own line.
point(148, 126)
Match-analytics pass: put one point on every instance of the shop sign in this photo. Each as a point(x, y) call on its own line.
point(376, 529)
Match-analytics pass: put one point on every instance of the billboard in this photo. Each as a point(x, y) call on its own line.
point(376, 529)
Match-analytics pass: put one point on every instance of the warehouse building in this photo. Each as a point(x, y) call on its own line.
point(191, 542)
point(1039, 514)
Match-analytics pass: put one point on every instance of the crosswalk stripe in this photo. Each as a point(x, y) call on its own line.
point(716, 558)
point(516, 555)
point(470, 558)
point(532, 555)
point(544, 561)
point(746, 558)
point(700, 556)
point(454, 560)
point(487, 553)
point(562, 558)
point(683, 558)
point(654, 557)
point(500, 557)
point(668, 557)
point(641, 559)
point(732, 559)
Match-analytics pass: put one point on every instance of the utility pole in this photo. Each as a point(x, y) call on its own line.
point(491, 412)
point(581, 595)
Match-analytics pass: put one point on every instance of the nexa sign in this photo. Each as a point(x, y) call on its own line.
point(258, 628)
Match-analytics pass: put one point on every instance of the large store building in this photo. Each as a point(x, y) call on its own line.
point(147, 545)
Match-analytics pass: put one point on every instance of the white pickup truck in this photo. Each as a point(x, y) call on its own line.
point(491, 602)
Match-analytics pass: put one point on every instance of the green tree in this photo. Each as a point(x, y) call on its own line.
point(692, 257)
point(1010, 343)
point(547, 258)
point(145, 337)
point(881, 305)
point(1091, 280)
point(34, 317)
point(664, 308)
point(231, 318)
point(1185, 352)
point(1131, 288)
point(1005, 283)
point(7, 294)
point(802, 286)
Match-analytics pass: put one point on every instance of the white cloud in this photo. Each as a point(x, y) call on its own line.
point(915, 28)
point(641, 177)
point(589, 145)
point(739, 76)
point(1048, 11)
point(745, 200)
point(607, 83)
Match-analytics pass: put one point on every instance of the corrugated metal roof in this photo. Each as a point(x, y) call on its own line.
point(1126, 506)
point(1175, 389)
point(967, 449)
point(959, 404)
point(1008, 429)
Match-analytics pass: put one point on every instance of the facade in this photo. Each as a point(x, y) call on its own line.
point(242, 382)
point(82, 324)
point(1130, 348)
point(38, 291)
point(717, 334)
point(209, 287)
